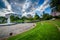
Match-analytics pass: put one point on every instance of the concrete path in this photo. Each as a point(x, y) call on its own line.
point(15, 29)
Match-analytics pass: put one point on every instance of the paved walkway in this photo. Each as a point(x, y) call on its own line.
point(15, 29)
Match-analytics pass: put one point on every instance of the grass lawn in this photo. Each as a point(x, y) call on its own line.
point(44, 30)
point(57, 22)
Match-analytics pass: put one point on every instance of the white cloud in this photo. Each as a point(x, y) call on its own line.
point(27, 4)
point(43, 6)
point(7, 4)
point(6, 10)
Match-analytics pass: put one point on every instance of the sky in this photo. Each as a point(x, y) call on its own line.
point(24, 7)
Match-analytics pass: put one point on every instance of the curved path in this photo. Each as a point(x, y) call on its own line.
point(15, 29)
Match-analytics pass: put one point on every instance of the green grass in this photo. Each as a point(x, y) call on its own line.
point(57, 22)
point(44, 30)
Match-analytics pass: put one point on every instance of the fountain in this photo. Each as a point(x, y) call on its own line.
point(7, 13)
point(8, 20)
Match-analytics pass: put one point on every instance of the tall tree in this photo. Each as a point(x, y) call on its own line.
point(55, 4)
point(46, 16)
point(36, 17)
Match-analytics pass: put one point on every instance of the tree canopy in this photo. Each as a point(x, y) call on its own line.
point(36, 17)
point(55, 4)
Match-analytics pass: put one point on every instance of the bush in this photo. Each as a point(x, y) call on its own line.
point(14, 18)
point(47, 17)
point(3, 19)
point(57, 17)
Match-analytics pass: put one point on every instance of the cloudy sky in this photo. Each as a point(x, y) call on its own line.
point(26, 6)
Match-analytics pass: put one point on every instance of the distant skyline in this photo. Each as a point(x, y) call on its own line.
point(26, 6)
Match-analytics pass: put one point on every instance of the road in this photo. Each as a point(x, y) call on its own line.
point(15, 29)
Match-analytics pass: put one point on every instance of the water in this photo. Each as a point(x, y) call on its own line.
point(8, 20)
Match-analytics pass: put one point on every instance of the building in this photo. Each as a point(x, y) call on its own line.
point(55, 13)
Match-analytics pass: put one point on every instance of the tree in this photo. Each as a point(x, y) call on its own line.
point(3, 19)
point(46, 16)
point(55, 4)
point(14, 18)
point(30, 17)
point(36, 17)
point(24, 18)
point(57, 17)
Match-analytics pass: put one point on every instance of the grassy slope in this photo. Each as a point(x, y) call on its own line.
point(43, 31)
point(57, 22)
